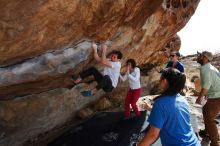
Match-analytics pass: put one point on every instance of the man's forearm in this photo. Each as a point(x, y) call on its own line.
point(104, 60)
point(150, 137)
point(96, 56)
point(203, 92)
point(103, 57)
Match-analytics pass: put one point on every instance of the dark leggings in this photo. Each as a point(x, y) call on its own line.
point(104, 82)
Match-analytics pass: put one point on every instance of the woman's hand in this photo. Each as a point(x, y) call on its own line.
point(146, 106)
point(128, 70)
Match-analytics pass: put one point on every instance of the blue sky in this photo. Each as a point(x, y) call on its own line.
point(202, 32)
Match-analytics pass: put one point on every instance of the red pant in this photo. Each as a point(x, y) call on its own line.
point(132, 98)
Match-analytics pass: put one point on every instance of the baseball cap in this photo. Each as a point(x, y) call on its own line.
point(207, 54)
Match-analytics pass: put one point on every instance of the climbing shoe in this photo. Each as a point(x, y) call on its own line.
point(86, 93)
point(203, 134)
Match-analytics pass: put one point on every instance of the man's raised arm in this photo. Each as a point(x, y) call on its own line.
point(104, 60)
point(95, 54)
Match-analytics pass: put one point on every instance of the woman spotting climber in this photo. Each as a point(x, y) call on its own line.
point(170, 118)
point(134, 92)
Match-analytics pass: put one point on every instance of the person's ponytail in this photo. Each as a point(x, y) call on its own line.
point(176, 81)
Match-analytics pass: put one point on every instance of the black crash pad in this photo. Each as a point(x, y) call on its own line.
point(104, 129)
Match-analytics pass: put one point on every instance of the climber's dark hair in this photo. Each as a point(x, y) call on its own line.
point(118, 53)
point(176, 81)
point(132, 62)
point(176, 53)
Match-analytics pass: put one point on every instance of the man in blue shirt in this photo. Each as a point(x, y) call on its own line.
point(174, 62)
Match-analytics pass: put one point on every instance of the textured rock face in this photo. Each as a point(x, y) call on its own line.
point(26, 117)
point(31, 29)
point(43, 42)
point(139, 28)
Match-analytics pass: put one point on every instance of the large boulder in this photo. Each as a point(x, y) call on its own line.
point(44, 42)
